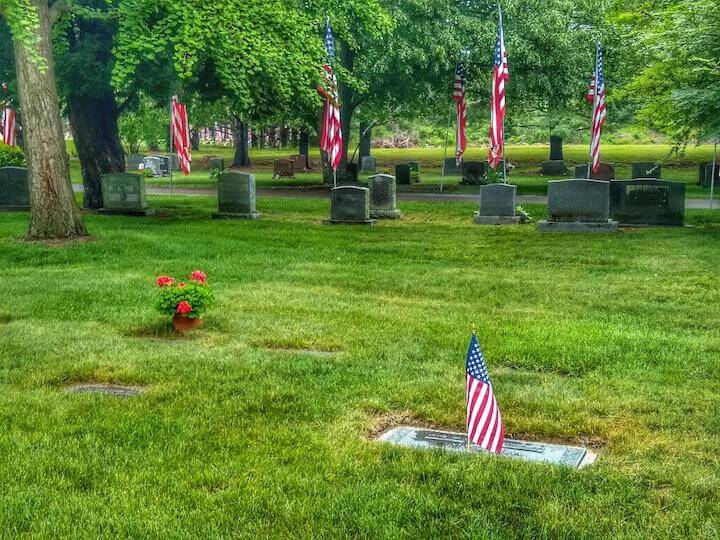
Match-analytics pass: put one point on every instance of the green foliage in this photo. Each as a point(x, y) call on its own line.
point(11, 156)
point(195, 292)
point(147, 124)
point(22, 18)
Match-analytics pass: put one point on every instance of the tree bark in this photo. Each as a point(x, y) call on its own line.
point(195, 140)
point(53, 210)
point(305, 146)
point(95, 131)
point(240, 136)
point(365, 140)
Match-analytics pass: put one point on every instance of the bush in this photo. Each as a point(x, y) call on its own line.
point(191, 298)
point(11, 156)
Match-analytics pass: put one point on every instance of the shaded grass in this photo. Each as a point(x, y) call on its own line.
point(604, 340)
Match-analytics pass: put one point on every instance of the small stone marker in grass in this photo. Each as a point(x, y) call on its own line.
point(284, 168)
point(383, 197)
point(299, 163)
point(236, 196)
point(427, 439)
point(578, 206)
point(217, 164)
point(124, 193)
point(14, 189)
point(648, 202)
point(497, 205)
point(606, 171)
point(646, 169)
point(106, 389)
point(350, 205)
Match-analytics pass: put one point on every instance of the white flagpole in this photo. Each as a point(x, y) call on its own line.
point(714, 173)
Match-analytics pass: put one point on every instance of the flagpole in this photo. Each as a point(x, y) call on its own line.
point(714, 173)
point(447, 139)
point(170, 152)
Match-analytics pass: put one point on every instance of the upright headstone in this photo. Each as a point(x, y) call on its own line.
point(707, 178)
point(497, 205)
point(283, 168)
point(451, 167)
point(350, 205)
point(134, 161)
point(474, 173)
point(299, 163)
point(368, 164)
point(578, 206)
point(165, 162)
point(402, 173)
point(556, 148)
point(236, 196)
point(14, 189)
point(606, 172)
point(154, 164)
point(124, 193)
point(216, 164)
point(646, 169)
point(648, 202)
point(383, 197)
point(555, 166)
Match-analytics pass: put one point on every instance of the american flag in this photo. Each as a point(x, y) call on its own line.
point(484, 422)
point(8, 125)
point(599, 112)
point(181, 134)
point(590, 96)
point(459, 97)
point(501, 75)
point(332, 140)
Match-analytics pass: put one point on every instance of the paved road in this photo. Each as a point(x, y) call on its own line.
point(320, 193)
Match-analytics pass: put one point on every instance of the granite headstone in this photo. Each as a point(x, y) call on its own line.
point(497, 205)
point(350, 205)
point(383, 197)
point(707, 178)
point(556, 148)
point(368, 164)
point(578, 206)
point(647, 202)
point(124, 193)
point(299, 163)
point(451, 167)
point(646, 169)
point(14, 189)
point(606, 171)
point(216, 164)
point(473, 173)
point(284, 168)
point(236, 196)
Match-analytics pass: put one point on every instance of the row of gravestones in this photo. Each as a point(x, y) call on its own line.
point(158, 165)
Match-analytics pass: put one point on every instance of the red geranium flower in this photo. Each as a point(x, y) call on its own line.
point(184, 308)
point(199, 276)
point(165, 281)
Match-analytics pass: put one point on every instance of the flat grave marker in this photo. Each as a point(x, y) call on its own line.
point(646, 169)
point(116, 390)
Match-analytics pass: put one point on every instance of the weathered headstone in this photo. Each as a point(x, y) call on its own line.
point(299, 163)
point(647, 202)
point(578, 206)
point(236, 196)
point(383, 197)
point(474, 173)
point(497, 205)
point(350, 205)
point(646, 169)
point(134, 161)
point(283, 168)
point(124, 193)
point(556, 148)
point(451, 167)
point(408, 173)
point(14, 189)
point(217, 164)
point(368, 164)
point(165, 162)
point(707, 178)
point(155, 165)
point(606, 172)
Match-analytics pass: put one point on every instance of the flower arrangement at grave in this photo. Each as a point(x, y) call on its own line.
point(185, 301)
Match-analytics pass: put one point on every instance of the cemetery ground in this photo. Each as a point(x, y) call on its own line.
point(247, 429)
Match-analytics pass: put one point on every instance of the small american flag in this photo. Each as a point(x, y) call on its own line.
point(459, 97)
point(599, 112)
point(8, 125)
point(181, 134)
point(331, 140)
point(484, 422)
point(501, 75)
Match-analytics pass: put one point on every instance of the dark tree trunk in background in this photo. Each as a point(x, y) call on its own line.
point(195, 140)
point(365, 140)
point(284, 132)
point(305, 146)
point(242, 151)
point(93, 120)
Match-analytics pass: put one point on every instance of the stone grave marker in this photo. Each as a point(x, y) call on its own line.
point(473, 173)
point(236, 196)
point(408, 173)
point(646, 169)
point(497, 205)
point(155, 165)
point(299, 163)
point(14, 189)
point(134, 161)
point(383, 197)
point(116, 390)
point(647, 202)
point(350, 205)
point(368, 164)
point(451, 167)
point(606, 171)
point(124, 193)
point(216, 164)
point(707, 177)
point(555, 166)
point(283, 168)
point(578, 206)
point(556, 148)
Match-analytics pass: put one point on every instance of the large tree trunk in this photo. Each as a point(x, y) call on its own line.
point(195, 140)
point(53, 210)
point(242, 154)
point(95, 130)
point(305, 146)
point(365, 140)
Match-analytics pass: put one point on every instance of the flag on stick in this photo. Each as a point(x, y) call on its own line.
point(459, 97)
point(8, 125)
point(484, 422)
point(331, 141)
point(181, 134)
point(501, 75)
point(599, 111)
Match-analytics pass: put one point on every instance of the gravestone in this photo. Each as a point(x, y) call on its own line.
point(402, 174)
point(707, 178)
point(555, 166)
point(236, 196)
point(164, 165)
point(646, 169)
point(606, 172)
point(299, 163)
point(14, 189)
point(216, 164)
point(383, 197)
point(473, 173)
point(124, 193)
point(115, 390)
point(368, 164)
point(350, 205)
point(134, 161)
point(155, 165)
point(578, 206)
point(451, 167)
point(497, 205)
point(283, 168)
point(556, 148)
point(647, 202)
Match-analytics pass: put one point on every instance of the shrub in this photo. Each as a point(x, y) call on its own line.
point(191, 298)
point(11, 156)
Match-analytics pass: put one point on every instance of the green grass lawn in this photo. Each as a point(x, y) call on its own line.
point(607, 341)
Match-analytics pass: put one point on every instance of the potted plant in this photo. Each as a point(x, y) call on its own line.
point(186, 301)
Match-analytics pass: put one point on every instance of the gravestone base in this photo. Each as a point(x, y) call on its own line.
point(386, 214)
point(122, 212)
point(349, 222)
point(496, 220)
point(577, 226)
point(553, 168)
point(232, 215)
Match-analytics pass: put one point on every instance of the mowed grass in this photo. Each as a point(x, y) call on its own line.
point(608, 341)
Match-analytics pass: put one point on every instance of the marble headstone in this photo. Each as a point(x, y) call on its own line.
point(647, 202)
point(124, 193)
point(383, 197)
point(578, 206)
point(350, 205)
point(497, 205)
point(646, 169)
point(236, 196)
point(606, 171)
point(14, 189)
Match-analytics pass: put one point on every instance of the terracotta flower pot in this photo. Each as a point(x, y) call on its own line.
point(184, 324)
